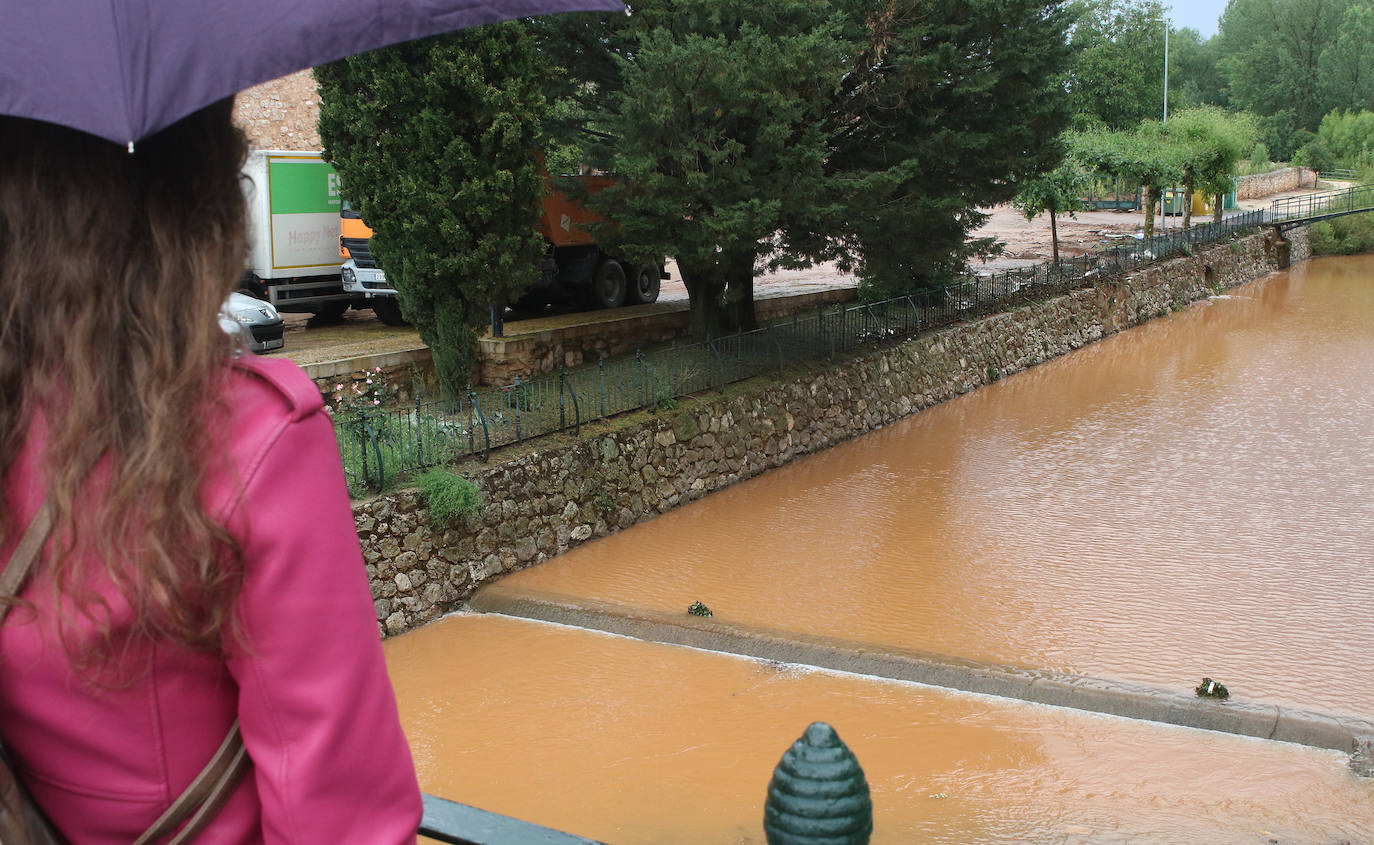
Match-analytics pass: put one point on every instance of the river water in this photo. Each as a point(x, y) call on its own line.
point(1189, 498)
point(1192, 497)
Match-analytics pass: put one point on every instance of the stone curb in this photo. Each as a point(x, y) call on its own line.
point(1116, 698)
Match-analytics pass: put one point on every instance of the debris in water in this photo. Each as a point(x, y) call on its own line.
point(1213, 689)
point(939, 795)
point(699, 609)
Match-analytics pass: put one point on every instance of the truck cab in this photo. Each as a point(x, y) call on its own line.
point(360, 274)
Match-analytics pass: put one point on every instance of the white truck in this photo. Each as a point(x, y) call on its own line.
point(293, 232)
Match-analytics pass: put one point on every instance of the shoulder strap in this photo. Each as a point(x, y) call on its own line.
point(17, 571)
point(211, 788)
point(206, 794)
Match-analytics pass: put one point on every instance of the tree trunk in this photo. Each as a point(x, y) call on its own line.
point(739, 292)
point(1217, 208)
point(705, 297)
point(1054, 240)
point(1188, 207)
point(1150, 199)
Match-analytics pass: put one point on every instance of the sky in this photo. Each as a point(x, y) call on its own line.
point(1197, 14)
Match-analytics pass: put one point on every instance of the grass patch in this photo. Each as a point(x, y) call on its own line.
point(449, 496)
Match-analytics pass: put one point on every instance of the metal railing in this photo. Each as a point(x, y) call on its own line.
point(378, 445)
point(459, 824)
point(1323, 205)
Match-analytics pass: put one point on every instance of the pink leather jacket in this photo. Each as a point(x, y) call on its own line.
point(330, 763)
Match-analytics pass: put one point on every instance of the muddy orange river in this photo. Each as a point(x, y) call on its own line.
point(1193, 497)
point(635, 743)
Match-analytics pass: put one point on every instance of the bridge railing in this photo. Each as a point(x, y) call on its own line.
point(1324, 204)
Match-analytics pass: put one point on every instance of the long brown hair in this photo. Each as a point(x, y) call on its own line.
point(113, 266)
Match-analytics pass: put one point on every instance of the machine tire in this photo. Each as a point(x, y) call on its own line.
point(646, 285)
point(331, 312)
point(388, 310)
point(608, 285)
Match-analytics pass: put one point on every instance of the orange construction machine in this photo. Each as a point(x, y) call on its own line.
point(575, 269)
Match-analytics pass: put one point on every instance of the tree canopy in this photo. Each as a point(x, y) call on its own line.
point(1058, 192)
point(778, 132)
point(1117, 75)
point(434, 142)
point(950, 106)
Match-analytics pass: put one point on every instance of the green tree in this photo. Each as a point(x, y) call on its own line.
point(950, 105)
point(433, 140)
point(1143, 157)
point(1272, 57)
point(1346, 67)
point(1210, 142)
point(1349, 137)
point(710, 113)
point(1058, 192)
point(1117, 76)
point(778, 132)
point(1194, 78)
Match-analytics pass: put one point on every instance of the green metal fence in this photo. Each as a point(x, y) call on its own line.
point(1323, 205)
point(377, 445)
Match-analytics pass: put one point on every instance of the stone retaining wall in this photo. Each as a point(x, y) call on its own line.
point(1275, 182)
point(540, 505)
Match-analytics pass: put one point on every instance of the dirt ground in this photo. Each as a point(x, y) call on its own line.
point(1025, 242)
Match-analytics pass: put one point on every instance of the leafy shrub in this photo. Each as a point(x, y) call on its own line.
point(1343, 235)
point(449, 496)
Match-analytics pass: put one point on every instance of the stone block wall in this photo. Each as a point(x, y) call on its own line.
point(540, 505)
point(1275, 182)
point(281, 114)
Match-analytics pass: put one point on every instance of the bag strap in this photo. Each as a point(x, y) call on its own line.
point(12, 579)
point(202, 799)
point(205, 795)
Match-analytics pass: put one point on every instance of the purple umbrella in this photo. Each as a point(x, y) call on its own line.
point(123, 69)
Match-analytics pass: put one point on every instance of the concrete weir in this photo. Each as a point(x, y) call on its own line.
point(1255, 719)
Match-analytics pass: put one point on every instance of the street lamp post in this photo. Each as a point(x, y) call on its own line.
point(1164, 21)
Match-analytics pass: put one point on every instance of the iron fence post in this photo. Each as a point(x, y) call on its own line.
point(601, 366)
point(642, 378)
point(577, 412)
point(486, 433)
point(376, 450)
point(419, 434)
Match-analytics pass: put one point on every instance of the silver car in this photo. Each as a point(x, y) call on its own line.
point(256, 323)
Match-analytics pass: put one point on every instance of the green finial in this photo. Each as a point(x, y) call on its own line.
point(818, 794)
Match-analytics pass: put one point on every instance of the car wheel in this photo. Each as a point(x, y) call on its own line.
point(645, 288)
point(608, 285)
point(252, 285)
point(388, 310)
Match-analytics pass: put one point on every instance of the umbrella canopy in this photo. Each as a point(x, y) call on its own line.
point(123, 69)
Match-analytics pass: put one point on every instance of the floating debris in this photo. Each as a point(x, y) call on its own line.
point(1213, 689)
point(699, 609)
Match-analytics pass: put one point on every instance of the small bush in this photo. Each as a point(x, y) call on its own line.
point(1343, 235)
point(449, 496)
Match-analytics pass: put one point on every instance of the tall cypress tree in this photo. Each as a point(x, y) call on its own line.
point(710, 113)
point(777, 132)
point(434, 141)
point(950, 106)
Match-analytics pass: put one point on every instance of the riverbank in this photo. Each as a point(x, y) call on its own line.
point(543, 501)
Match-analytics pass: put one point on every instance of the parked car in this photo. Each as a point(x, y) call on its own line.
point(256, 323)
